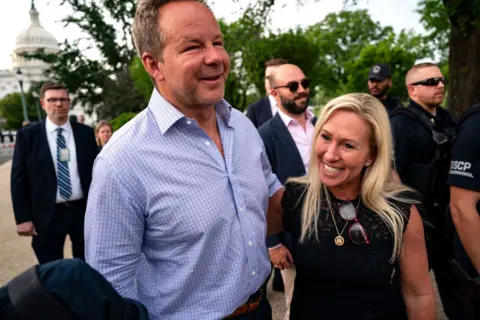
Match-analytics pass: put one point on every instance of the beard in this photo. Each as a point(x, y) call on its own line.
point(294, 106)
point(381, 93)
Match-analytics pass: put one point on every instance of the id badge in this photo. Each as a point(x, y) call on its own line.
point(64, 155)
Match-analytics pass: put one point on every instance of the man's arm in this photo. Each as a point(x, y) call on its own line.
point(20, 181)
point(463, 205)
point(275, 213)
point(275, 192)
point(114, 229)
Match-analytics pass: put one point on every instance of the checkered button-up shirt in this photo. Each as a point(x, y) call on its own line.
point(172, 223)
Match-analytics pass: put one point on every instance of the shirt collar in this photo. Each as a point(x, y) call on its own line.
point(51, 127)
point(166, 115)
point(287, 119)
point(272, 100)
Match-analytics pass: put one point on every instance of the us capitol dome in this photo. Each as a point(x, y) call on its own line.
point(32, 71)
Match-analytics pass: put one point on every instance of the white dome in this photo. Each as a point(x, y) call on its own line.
point(32, 39)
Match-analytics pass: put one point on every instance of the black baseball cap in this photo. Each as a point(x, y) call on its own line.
point(379, 72)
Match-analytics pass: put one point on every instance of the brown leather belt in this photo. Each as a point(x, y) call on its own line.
point(249, 306)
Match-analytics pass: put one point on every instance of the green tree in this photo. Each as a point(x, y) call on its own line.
point(102, 85)
point(12, 110)
point(399, 52)
point(457, 23)
point(340, 38)
point(141, 79)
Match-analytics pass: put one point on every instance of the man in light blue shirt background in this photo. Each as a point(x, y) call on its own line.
point(176, 215)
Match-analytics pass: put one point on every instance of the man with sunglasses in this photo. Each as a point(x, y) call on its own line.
point(288, 138)
point(264, 109)
point(379, 83)
point(423, 134)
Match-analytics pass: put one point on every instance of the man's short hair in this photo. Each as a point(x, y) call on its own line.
point(275, 62)
point(51, 86)
point(146, 32)
point(418, 66)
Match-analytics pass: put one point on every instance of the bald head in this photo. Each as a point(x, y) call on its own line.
point(290, 89)
point(285, 73)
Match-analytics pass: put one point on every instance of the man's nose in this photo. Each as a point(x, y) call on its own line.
point(212, 55)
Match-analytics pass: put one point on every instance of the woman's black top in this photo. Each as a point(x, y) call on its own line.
point(353, 281)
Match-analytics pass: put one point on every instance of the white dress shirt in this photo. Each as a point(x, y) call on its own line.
point(273, 104)
point(301, 137)
point(67, 133)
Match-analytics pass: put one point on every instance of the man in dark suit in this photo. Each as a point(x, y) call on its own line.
point(288, 140)
point(261, 111)
point(50, 178)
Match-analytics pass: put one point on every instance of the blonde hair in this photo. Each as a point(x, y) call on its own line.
point(378, 185)
point(100, 125)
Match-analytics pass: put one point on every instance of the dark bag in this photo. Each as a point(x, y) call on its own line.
point(68, 289)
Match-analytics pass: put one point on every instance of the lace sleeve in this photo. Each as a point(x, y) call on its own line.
point(410, 198)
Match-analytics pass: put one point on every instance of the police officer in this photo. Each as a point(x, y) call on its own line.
point(379, 83)
point(464, 181)
point(423, 133)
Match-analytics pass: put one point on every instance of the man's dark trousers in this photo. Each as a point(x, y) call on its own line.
point(68, 219)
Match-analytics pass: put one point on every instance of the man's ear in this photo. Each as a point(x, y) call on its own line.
point(153, 66)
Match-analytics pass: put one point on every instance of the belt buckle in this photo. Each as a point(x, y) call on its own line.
point(67, 204)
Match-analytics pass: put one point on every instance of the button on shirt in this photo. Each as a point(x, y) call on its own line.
point(67, 133)
point(172, 223)
point(301, 137)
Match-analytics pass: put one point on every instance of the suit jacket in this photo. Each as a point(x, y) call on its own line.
point(33, 176)
point(281, 150)
point(286, 162)
point(260, 112)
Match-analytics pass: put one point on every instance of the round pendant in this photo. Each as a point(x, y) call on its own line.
point(339, 241)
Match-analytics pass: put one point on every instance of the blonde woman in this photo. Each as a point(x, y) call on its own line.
point(103, 132)
point(358, 244)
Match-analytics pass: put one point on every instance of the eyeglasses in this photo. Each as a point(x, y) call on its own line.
point(55, 100)
point(357, 232)
point(430, 82)
point(294, 85)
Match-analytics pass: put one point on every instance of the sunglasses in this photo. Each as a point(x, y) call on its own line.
point(430, 82)
point(357, 232)
point(294, 85)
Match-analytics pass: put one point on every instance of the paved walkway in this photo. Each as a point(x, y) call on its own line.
point(16, 253)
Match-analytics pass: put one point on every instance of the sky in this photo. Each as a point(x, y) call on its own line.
point(400, 14)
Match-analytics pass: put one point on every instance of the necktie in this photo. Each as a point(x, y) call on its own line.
point(63, 174)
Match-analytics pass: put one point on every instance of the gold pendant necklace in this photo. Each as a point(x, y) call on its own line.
point(339, 241)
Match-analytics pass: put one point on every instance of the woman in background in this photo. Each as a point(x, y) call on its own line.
point(103, 132)
point(358, 242)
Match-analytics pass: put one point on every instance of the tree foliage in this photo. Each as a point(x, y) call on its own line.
point(335, 52)
point(11, 109)
point(454, 27)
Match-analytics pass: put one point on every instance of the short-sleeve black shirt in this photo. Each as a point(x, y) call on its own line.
point(465, 164)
